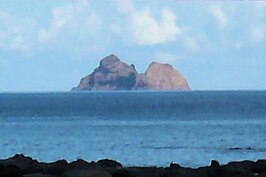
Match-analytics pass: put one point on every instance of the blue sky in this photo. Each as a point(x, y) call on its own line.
point(49, 45)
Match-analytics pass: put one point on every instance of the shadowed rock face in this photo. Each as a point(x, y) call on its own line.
point(113, 74)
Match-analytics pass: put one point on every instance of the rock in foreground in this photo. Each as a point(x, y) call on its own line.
point(21, 166)
point(113, 74)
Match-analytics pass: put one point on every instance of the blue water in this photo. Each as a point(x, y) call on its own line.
point(135, 128)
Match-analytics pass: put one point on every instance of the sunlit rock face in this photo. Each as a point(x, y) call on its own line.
point(113, 74)
point(165, 77)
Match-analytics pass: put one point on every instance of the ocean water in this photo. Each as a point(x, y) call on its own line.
point(136, 128)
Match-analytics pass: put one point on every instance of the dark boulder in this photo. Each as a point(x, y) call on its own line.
point(20, 161)
point(262, 174)
point(38, 167)
point(238, 169)
point(11, 171)
point(82, 165)
point(174, 166)
point(21, 166)
point(148, 171)
point(100, 174)
point(55, 168)
point(175, 170)
point(124, 173)
point(86, 173)
point(260, 166)
point(38, 175)
point(107, 163)
point(214, 164)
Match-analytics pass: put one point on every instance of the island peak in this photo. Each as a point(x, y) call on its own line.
point(158, 64)
point(108, 60)
point(113, 74)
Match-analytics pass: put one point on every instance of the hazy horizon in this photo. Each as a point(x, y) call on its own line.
point(50, 45)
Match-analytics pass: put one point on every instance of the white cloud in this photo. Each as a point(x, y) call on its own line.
point(74, 17)
point(260, 5)
point(61, 16)
point(258, 34)
point(142, 28)
point(238, 45)
point(125, 6)
point(146, 30)
point(115, 28)
point(82, 3)
point(14, 33)
point(219, 15)
point(258, 23)
point(93, 21)
point(18, 43)
point(191, 43)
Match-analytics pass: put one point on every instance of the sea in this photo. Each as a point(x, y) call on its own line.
point(136, 128)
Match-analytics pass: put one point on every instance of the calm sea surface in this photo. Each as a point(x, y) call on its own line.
point(135, 128)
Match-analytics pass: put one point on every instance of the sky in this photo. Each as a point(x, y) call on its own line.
point(50, 45)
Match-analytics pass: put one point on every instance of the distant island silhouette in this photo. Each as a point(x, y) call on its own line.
point(113, 74)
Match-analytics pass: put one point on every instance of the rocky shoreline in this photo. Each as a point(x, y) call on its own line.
point(23, 166)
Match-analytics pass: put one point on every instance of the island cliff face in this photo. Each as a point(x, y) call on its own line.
point(164, 76)
point(113, 74)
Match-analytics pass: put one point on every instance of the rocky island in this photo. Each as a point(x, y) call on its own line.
point(113, 74)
